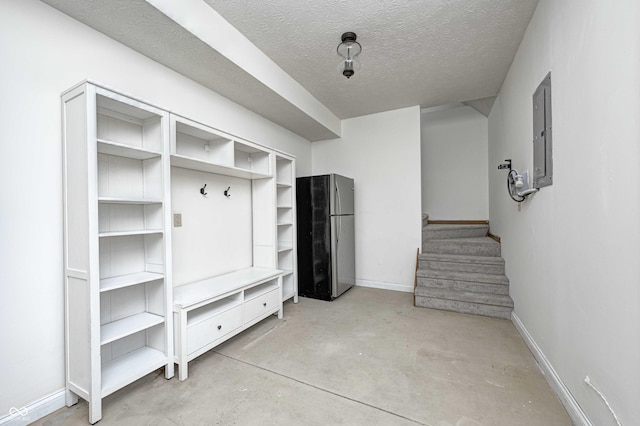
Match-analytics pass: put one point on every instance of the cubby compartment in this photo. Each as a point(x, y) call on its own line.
point(285, 215)
point(118, 217)
point(288, 285)
point(284, 172)
point(285, 236)
point(285, 196)
point(212, 309)
point(126, 359)
point(192, 140)
point(126, 125)
point(198, 147)
point(252, 159)
point(131, 254)
point(260, 289)
point(129, 179)
point(285, 261)
point(130, 301)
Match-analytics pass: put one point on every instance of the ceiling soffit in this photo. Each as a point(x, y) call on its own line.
point(140, 26)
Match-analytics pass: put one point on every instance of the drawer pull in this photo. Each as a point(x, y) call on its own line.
point(219, 327)
point(264, 304)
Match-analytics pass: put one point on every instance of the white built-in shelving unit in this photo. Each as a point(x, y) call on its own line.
point(120, 155)
point(286, 227)
point(117, 273)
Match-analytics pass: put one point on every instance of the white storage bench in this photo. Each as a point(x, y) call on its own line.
point(208, 312)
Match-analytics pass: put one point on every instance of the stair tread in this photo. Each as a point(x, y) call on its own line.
point(464, 240)
point(465, 296)
point(460, 258)
point(455, 226)
point(463, 276)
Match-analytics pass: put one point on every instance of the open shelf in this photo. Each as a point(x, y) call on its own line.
point(127, 151)
point(194, 140)
point(123, 370)
point(124, 218)
point(212, 309)
point(204, 166)
point(127, 326)
point(128, 178)
point(119, 200)
point(114, 283)
point(195, 146)
point(130, 233)
point(128, 124)
point(284, 172)
point(250, 158)
point(284, 246)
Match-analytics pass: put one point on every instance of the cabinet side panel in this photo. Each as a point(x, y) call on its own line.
point(78, 334)
point(76, 174)
point(264, 221)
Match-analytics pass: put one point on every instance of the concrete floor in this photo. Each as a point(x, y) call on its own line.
point(369, 357)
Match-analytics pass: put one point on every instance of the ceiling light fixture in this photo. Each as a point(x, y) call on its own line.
point(349, 49)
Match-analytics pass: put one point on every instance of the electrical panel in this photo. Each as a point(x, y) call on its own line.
point(542, 160)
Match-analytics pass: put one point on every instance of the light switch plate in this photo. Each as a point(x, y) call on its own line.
point(177, 220)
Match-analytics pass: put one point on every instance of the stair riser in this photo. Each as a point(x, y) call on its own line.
point(464, 307)
point(460, 248)
point(479, 268)
point(428, 234)
point(502, 289)
point(463, 277)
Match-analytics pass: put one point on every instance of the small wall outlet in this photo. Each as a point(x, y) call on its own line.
point(177, 220)
point(207, 147)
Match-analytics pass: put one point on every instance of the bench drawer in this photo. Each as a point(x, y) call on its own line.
point(260, 305)
point(212, 329)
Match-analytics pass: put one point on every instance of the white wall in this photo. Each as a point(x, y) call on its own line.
point(382, 153)
point(216, 233)
point(572, 251)
point(43, 52)
point(455, 182)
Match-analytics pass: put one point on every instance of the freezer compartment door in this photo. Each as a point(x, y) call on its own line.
point(314, 238)
point(342, 192)
point(343, 254)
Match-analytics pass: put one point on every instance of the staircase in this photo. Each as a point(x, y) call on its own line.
point(460, 270)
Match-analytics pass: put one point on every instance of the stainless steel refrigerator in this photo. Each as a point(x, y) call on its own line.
point(326, 236)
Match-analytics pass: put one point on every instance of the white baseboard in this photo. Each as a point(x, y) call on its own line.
point(578, 416)
point(35, 411)
point(385, 286)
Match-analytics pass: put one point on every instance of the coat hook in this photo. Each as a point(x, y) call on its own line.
point(202, 189)
point(227, 192)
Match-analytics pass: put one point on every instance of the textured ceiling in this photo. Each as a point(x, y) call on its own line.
point(414, 52)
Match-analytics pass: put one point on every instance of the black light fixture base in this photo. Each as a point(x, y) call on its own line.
point(349, 36)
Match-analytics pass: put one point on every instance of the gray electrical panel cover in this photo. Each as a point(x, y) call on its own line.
point(542, 161)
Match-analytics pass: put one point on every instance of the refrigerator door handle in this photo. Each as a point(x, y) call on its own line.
point(338, 234)
point(337, 202)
